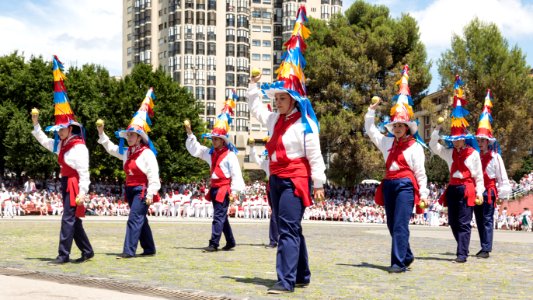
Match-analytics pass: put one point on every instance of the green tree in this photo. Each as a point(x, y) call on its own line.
point(483, 58)
point(350, 59)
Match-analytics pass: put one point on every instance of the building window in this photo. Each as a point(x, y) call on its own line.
point(230, 50)
point(267, 57)
point(256, 56)
point(267, 43)
point(256, 43)
point(189, 47)
point(211, 94)
point(267, 28)
point(256, 28)
point(230, 79)
point(266, 71)
point(200, 93)
point(211, 49)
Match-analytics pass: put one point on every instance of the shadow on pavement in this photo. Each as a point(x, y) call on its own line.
point(434, 258)
point(254, 280)
point(367, 265)
point(40, 258)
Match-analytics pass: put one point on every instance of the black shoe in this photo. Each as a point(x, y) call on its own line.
point(228, 247)
point(271, 246)
point(124, 256)
point(409, 262)
point(301, 284)
point(58, 261)
point(210, 248)
point(482, 254)
point(84, 258)
point(459, 260)
point(395, 269)
point(278, 288)
point(147, 254)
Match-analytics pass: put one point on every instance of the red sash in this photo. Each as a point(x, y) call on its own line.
point(298, 170)
point(222, 183)
point(404, 171)
point(458, 164)
point(72, 174)
point(134, 175)
point(490, 183)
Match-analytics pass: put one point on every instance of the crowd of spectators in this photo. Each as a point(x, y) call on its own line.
point(187, 200)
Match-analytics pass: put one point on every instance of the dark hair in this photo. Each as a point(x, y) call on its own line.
point(75, 129)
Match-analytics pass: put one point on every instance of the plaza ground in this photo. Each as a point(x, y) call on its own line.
point(347, 261)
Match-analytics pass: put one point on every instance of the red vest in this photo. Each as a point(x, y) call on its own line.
point(222, 183)
point(490, 183)
point(404, 171)
point(298, 170)
point(134, 175)
point(458, 164)
point(72, 174)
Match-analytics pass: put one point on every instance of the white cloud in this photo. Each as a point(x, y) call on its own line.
point(79, 32)
point(442, 18)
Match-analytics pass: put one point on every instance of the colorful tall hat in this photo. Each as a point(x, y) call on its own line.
point(402, 105)
point(222, 124)
point(484, 129)
point(63, 113)
point(291, 78)
point(459, 125)
point(141, 122)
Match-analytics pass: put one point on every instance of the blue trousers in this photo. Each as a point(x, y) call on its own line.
point(138, 229)
point(485, 222)
point(459, 218)
point(399, 203)
point(220, 221)
point(71, 228)
point(292, 263)
point(273, 228)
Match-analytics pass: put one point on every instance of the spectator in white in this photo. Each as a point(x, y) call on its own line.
point(5, 198)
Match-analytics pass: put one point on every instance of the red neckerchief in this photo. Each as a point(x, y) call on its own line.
point(275, 143)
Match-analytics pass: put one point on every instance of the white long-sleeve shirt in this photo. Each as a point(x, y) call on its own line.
point(260, 161)
point(496, 170)
point(472, 162)
point(297, 143)
point(77, 157)
point(414, 155)
point(146, 162)
point(229, 165)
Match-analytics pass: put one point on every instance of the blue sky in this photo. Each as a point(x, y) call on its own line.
point(89, 31)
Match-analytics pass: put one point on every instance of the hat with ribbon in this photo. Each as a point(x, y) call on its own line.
point(64, 116)
point(484, 129)
point(291, 78)
point(222, 124)
point(459, 125)
point(140, 123)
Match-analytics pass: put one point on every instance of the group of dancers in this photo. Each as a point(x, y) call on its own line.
point(295, 168)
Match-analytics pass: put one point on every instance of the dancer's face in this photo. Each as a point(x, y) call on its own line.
point(459, 144)
point(217, 142)
point(483, 144)
point(284, 103)
point(64, 133)
point(399, 130)
point(133, 138)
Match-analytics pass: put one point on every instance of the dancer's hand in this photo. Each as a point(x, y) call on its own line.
point(479, 200)
point(35, 116)
point(100, 126)
point(149, 200)
point(318, 194)
point(187, 125)
point(255, 79)
point(80, 199)
point(375, 102)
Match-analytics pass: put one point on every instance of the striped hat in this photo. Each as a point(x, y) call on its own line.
point(484, 129)
point(140, 123)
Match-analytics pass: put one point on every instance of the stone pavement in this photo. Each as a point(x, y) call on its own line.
point(348, 261)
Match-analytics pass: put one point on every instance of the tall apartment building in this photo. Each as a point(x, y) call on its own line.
point(209, 47)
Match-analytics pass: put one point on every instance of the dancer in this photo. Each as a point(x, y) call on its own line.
point(226, 176)
point(494, 177)
point(465, 188)
point(295, 158)
point(142, 176)
point(405, 183)
point(73, 157)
